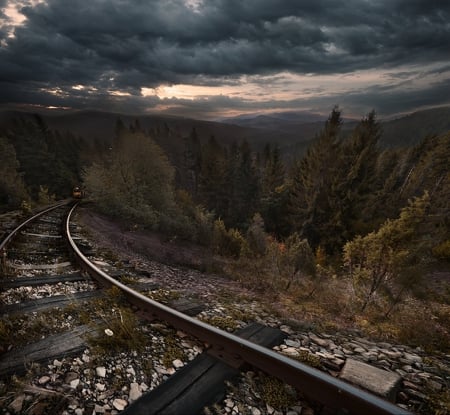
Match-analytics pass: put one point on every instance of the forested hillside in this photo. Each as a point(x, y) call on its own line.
point(344, 184)
point(377, 217)
point(37, 163)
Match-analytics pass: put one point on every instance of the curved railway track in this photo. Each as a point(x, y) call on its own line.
point(75, 285)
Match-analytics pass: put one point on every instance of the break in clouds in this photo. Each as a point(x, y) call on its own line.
point(391, 55)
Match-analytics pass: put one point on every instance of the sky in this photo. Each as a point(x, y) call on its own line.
point(209, 59)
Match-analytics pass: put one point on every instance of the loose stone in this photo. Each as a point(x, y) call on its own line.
point(120, 404)
point(135, 392)
point(17, 404)
point(43, 380)
point(74, 383)
point(101, 371)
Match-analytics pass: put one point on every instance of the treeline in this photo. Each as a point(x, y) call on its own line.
point(342, 187)
point(350, 227)
point(37, 164)
point(379, 215)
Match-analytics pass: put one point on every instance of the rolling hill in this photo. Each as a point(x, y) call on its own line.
point(291, 131)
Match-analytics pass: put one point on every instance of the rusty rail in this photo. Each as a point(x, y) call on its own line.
point(316, 385)
point(11, 235)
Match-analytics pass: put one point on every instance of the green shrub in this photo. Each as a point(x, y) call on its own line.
point(442, 251)
point(227, 242)
point(256, 236)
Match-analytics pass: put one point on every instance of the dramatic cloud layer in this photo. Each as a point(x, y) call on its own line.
point(210, 57)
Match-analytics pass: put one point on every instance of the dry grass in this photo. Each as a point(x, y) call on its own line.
point(329, 304)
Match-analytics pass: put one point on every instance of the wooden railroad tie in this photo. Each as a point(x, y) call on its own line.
point(42, 280)
point(201, 382)
point(53, 347)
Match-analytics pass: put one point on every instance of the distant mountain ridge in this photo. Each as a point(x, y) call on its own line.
point(403, 131)
point(292, 131)
point(411, 129)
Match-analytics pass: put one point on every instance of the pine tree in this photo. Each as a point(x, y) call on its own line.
point(191, 163)
point(313, 176)
point(212, 178)
point(355, 183)
point(36, 162)
point(242, 185)
point(274, 191)
point(12, 188)
point(272, 170)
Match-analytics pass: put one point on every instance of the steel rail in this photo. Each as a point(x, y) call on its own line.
point(316, 385)
point(11, 235)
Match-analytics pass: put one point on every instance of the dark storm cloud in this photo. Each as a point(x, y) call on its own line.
point(128, 44)
point(388, 102)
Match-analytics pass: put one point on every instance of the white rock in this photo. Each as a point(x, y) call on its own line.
point(74, 383)
point(321, 342)
point(292, 343)
point(290, 351)
point(286, 329)
point(98, 409)
point(177, 363)
point(57, 363)
point(101, 371)
point(131, 371)
point(43, 380)
point(269, 409)
point(412, 358)
point(78, 361)
point(135, 392)
point(100, 386)
point(256, 411)
point(119, 404)
point(229, 403)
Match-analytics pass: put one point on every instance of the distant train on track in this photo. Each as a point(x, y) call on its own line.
point(77, 192)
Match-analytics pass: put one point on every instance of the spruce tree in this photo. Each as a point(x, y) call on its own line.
point(355, 183)
point(310, 201)
point(12, 188)
point(212, 178)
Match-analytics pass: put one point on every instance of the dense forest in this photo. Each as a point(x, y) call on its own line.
point(347, 205)
point(343, 186)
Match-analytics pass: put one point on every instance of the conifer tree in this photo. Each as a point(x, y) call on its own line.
point(191, 163)
point(274, 191)
point(355, 183)
point(36, 162)
point(212, 177)
point(242, 185)
point(310, 212)
point(12, 188)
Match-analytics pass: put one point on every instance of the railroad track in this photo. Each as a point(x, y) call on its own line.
point(86, 280)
